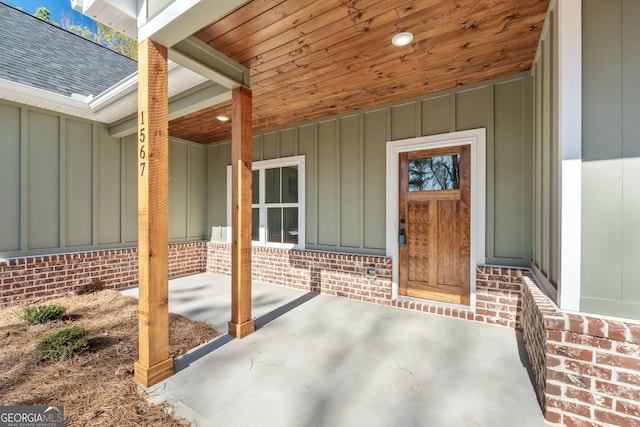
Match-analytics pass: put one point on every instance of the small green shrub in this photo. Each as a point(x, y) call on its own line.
point(43, 313)
point(63, 343)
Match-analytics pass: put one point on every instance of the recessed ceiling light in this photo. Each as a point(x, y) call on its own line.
point(402, 39)
point(223, 118)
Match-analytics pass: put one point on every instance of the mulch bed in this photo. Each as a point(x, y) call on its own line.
point(96, 387)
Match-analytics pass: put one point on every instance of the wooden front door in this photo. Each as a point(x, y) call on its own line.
point(434, 229)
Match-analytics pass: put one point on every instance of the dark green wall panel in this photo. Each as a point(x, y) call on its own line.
point(197, 191)
point(269, 146)
point(350, 177)
point(307, 146)
point(328, 184)
point(611, 158)
point(10, 178)
point(510, 147)
point(178, 190)
point(43, 167)
point(79, 183)
point(218, 158)
point(288, 142)
point(375, 141)
point(473, 108)
point(130, 148)
point(403, 121)
point(436, 115)
point(109, 176)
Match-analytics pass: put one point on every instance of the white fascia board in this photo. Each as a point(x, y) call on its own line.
point(181, 19)
point(35, 97)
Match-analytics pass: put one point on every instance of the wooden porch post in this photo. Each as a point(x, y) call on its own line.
point(154, 363)
point(241, 323)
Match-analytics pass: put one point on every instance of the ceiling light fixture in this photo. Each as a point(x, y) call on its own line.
point(402, 39)
point(223, 118)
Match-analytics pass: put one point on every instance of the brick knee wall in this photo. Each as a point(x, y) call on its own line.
point(328, 273)
point(498, 290)
point(587, 367)
point(535, 305)
point(31, 279)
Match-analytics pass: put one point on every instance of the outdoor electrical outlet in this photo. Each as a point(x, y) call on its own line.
point(371, 272)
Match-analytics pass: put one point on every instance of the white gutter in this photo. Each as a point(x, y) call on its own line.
point(121, 89)
point(115, 92)
point(76, 104)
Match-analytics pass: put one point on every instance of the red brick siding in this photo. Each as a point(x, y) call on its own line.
point(31, 279)
point(325, 272)
point(498, 289)
point(587, 367)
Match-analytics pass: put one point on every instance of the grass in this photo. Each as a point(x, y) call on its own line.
point(96, 386)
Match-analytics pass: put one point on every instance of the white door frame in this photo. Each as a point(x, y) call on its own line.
point(477, 139)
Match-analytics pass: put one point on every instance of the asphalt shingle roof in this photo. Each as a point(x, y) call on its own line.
point(41, 55)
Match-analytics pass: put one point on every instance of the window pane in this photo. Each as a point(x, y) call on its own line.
point(255, 224)
point(274, 225)
point(282, 225)
point(290, 184)
point(255, 187)
point(290, 225)
point(272, 181)
point(434, 173)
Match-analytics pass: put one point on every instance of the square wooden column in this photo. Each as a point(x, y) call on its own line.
point(154, 363)
point(241, 323)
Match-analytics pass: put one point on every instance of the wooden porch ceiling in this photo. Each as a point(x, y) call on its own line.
point(314, 58)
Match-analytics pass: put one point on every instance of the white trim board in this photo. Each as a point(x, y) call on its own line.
point(477, 139)
point(570, 135)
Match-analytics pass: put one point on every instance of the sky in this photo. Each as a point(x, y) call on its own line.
point(58, 8)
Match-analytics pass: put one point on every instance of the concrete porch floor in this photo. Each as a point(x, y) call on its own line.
point(317, 360)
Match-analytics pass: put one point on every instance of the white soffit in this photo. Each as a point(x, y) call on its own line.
point(121, 15)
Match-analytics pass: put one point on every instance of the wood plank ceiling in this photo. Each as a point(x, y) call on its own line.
point(316, 58)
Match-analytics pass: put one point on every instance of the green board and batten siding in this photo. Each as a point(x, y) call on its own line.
point(72, 187)
point(345, 166)
point(546, 150)
point(611, 158)
point(68, 186)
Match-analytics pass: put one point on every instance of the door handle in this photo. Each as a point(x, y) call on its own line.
point(402, 238)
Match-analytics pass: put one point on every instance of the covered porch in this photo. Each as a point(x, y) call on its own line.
point(311, 363)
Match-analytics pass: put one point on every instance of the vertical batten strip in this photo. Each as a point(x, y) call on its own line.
point(24, 179)
point(154, 363)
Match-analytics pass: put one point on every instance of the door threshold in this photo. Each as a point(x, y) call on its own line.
point(435, 303)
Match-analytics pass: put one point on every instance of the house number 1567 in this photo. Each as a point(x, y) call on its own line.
point(142, 154)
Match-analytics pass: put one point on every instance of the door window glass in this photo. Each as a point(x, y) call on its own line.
point(434, 173)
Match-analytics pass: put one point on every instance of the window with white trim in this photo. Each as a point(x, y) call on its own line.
point(277, 200)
